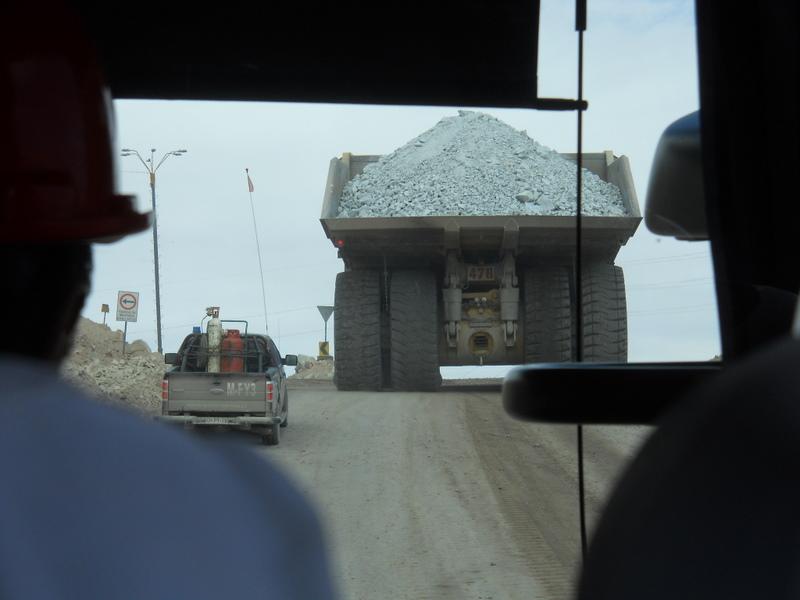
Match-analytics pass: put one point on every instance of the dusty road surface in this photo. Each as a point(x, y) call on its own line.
point(442, 495)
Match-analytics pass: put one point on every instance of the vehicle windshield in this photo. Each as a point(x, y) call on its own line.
point(452, 257)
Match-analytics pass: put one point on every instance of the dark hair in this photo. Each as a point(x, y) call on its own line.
point(44, 288)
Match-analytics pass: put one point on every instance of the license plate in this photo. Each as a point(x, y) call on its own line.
point(217, 421)
point(480, 273)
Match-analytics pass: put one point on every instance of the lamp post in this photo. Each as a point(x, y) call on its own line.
point(152, 167)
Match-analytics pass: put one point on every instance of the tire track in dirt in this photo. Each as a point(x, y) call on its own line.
point(440, 495)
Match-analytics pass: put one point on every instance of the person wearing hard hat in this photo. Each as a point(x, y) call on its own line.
point(94, 502)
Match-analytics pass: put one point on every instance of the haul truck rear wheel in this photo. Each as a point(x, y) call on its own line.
point(548, 315)
point(357, 331)
point(605, 313)
point(414, 317)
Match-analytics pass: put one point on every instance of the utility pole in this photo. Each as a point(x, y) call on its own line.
point(151, 167)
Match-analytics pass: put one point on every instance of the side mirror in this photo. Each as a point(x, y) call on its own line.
point(171, 358)
point(290, 360)
point(675, 196)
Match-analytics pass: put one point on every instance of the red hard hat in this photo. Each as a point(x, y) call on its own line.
point(57, 177)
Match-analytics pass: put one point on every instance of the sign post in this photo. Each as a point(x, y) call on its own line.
point(127, 310)
point(324, 349)
point(326, 312)
point(104, 309)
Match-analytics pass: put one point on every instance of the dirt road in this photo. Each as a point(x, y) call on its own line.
point(443, 495)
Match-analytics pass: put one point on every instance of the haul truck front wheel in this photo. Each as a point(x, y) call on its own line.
point(414, 317)
point(357, 331)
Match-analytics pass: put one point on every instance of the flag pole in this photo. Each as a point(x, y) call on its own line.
point(250, 189)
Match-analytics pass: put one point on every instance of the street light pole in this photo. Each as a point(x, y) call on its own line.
point(155, 257)
point(151, 167)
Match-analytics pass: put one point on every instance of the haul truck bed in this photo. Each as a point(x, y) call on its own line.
point(420, 292)
point(406, 240)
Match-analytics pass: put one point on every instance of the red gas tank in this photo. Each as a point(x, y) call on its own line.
point(232, 351)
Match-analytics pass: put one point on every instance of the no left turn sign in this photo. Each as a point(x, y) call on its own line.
point(127, 306)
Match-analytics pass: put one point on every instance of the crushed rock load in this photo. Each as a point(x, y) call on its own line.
point(309, 367)
point(474, 164)
point(98, 366)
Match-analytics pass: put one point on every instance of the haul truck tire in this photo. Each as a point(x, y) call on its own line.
point(357, 331)
point(548, 315)
point(605, 314)
point(414, 319)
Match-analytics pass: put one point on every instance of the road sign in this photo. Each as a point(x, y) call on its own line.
point(127, 306)
point(326, 312)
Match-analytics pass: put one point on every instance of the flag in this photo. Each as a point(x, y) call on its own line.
point(249, 181)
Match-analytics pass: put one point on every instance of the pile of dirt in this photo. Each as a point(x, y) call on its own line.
point(309, 367)
point(98, 365)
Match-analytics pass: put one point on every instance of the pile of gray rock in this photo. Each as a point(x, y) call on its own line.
point(309, 367)
point(474, 164)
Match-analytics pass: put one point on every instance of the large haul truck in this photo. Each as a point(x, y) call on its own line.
point(418, 293)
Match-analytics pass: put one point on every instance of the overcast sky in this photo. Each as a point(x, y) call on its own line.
point(640, 75)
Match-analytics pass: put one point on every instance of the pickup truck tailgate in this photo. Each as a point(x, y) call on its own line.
point(217, 393)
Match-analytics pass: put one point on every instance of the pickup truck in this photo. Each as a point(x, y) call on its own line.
point(246, 390)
